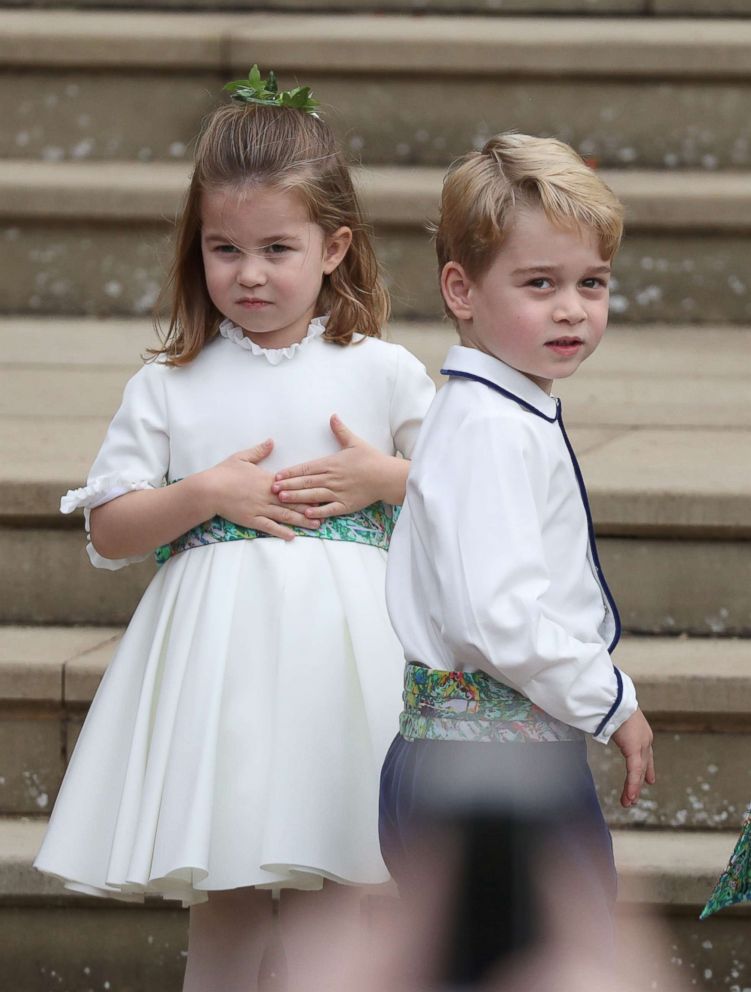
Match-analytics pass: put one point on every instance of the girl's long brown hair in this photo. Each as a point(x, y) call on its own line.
point(280, 148)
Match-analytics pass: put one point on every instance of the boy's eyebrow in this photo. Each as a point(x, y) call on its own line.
point(596, 270)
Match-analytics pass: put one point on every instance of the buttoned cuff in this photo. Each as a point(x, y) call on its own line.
point(624, 706)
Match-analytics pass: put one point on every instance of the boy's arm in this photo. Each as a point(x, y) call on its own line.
point(478, 509)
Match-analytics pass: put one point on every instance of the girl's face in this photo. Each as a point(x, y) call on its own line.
point(265, 260)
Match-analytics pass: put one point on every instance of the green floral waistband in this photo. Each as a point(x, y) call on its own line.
point(372, 525)
point(472, 706)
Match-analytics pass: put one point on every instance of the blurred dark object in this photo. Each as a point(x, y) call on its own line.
point(501, 819)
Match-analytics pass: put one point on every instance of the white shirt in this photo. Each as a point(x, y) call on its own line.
point(493, 565)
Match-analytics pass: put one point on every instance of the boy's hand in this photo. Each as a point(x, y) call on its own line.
point(354, 477)
point(241, 492)
point(634, 739)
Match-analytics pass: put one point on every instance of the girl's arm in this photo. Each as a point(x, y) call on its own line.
point(137, 522)
point(355, 477)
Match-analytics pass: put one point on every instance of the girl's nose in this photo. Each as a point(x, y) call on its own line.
point(251, 271)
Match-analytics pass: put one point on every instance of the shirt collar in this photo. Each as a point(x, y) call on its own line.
point(471, 363)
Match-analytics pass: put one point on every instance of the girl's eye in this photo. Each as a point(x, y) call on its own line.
point(225, 249)
point(277, 249)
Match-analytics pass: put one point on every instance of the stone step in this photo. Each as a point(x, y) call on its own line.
point(55, 939)
point(668, 477)
point(493, 8)
point(93, 238)
point(696, 693)
point(636, 92)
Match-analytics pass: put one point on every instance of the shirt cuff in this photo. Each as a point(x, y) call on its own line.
point(624, 706)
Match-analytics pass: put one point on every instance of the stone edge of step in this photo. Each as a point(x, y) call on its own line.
point(400, 197)
point(364, 43)
point(693, 677)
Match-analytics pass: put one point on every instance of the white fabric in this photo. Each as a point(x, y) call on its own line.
point(238, 734)
point(490, 566)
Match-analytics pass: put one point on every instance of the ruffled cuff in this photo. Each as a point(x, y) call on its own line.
point(97, 492)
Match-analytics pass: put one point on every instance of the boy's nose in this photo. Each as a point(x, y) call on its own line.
point(568, 309)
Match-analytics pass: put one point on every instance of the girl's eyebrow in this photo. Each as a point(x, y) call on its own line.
point(270, 240)
point(273, 238)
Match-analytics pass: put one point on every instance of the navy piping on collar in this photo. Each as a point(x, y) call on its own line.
point(499, 389)
point(588, 512)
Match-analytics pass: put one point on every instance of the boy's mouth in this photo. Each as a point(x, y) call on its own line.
point(568, 345)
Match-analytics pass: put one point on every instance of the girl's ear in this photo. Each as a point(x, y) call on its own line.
point(335, 248)
point(455, 286)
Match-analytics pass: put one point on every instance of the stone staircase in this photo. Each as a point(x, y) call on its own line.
point(100, 106)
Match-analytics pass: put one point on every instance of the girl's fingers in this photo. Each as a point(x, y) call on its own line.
point(288, 516)
point(274, 529)
point(258, 452)
point(300, 471)
point(307, 496)
point(298, 482)
point(325, 510)
point(341, 432)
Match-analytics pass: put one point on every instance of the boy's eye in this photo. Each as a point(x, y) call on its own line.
point(541, 282)
point(595, 283)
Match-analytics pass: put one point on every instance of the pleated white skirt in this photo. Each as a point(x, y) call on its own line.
point(238, 734)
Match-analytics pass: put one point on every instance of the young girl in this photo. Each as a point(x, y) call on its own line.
point(236, 741)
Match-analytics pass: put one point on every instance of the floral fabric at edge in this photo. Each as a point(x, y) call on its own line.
point(734, 885)
point(472, 706)
point(372, 525)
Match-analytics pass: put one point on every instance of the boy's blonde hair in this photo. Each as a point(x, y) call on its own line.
point(246, 146)
point(482, 190)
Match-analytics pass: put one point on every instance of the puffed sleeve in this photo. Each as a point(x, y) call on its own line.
point(134, 454)
point(484, 530)
point(412, 394)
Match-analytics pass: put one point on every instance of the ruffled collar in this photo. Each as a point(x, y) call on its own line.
point(272, 355)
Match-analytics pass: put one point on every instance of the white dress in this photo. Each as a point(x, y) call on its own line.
point(238, 734)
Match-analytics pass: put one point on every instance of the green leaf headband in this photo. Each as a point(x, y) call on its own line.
point(255, 89)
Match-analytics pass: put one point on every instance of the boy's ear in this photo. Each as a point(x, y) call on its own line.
point(455, 286)
point(335, 248)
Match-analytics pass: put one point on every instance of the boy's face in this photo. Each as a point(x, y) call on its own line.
point(542, 306)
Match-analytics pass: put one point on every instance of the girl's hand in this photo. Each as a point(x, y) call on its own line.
point(355, 477)
point(241, 492)
point(634, 739)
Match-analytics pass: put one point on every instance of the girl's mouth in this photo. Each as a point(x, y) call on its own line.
point(565, 346)
point(252, 303)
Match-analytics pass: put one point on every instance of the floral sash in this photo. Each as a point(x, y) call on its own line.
point(372, 525)
point(472, 706)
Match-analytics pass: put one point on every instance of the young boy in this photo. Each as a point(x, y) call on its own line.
point(493, 573)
